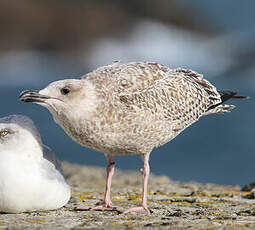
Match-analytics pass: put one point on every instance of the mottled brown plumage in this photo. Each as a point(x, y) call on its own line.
point(129, 108)
point(144, 105)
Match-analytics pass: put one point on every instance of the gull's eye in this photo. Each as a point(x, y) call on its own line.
point(65, 91)
point(4, 132)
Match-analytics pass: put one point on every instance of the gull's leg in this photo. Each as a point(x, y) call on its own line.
point(107, 204)
point(146, 172)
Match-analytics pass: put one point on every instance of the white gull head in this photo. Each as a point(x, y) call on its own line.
point(65, 99)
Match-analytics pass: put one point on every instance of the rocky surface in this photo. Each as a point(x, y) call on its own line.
point(173, 205)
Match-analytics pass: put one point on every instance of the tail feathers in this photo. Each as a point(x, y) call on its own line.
point(225, 95)
point(221, 109)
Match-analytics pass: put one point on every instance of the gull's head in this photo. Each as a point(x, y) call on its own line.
point(18, 134)
point(71, 96)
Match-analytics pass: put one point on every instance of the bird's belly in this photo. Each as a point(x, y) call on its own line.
point(23, 188)
point(108, 144)
point(119, 140)
point(128, 135)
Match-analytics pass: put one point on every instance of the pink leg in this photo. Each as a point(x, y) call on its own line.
point(107, 196)
point(146, 172)
point(107, 204)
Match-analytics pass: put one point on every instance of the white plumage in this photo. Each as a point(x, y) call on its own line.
point(30, 175)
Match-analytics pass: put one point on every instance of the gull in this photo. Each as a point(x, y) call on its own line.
point(30, 175)
point(126, 109)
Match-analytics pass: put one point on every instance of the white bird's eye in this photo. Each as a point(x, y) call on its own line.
point(4, 132)
point(65, 91)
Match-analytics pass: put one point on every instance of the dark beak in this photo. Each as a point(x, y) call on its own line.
point(32, 96)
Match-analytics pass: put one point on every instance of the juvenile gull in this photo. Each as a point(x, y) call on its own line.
point(124, 109)
point(30, 175)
